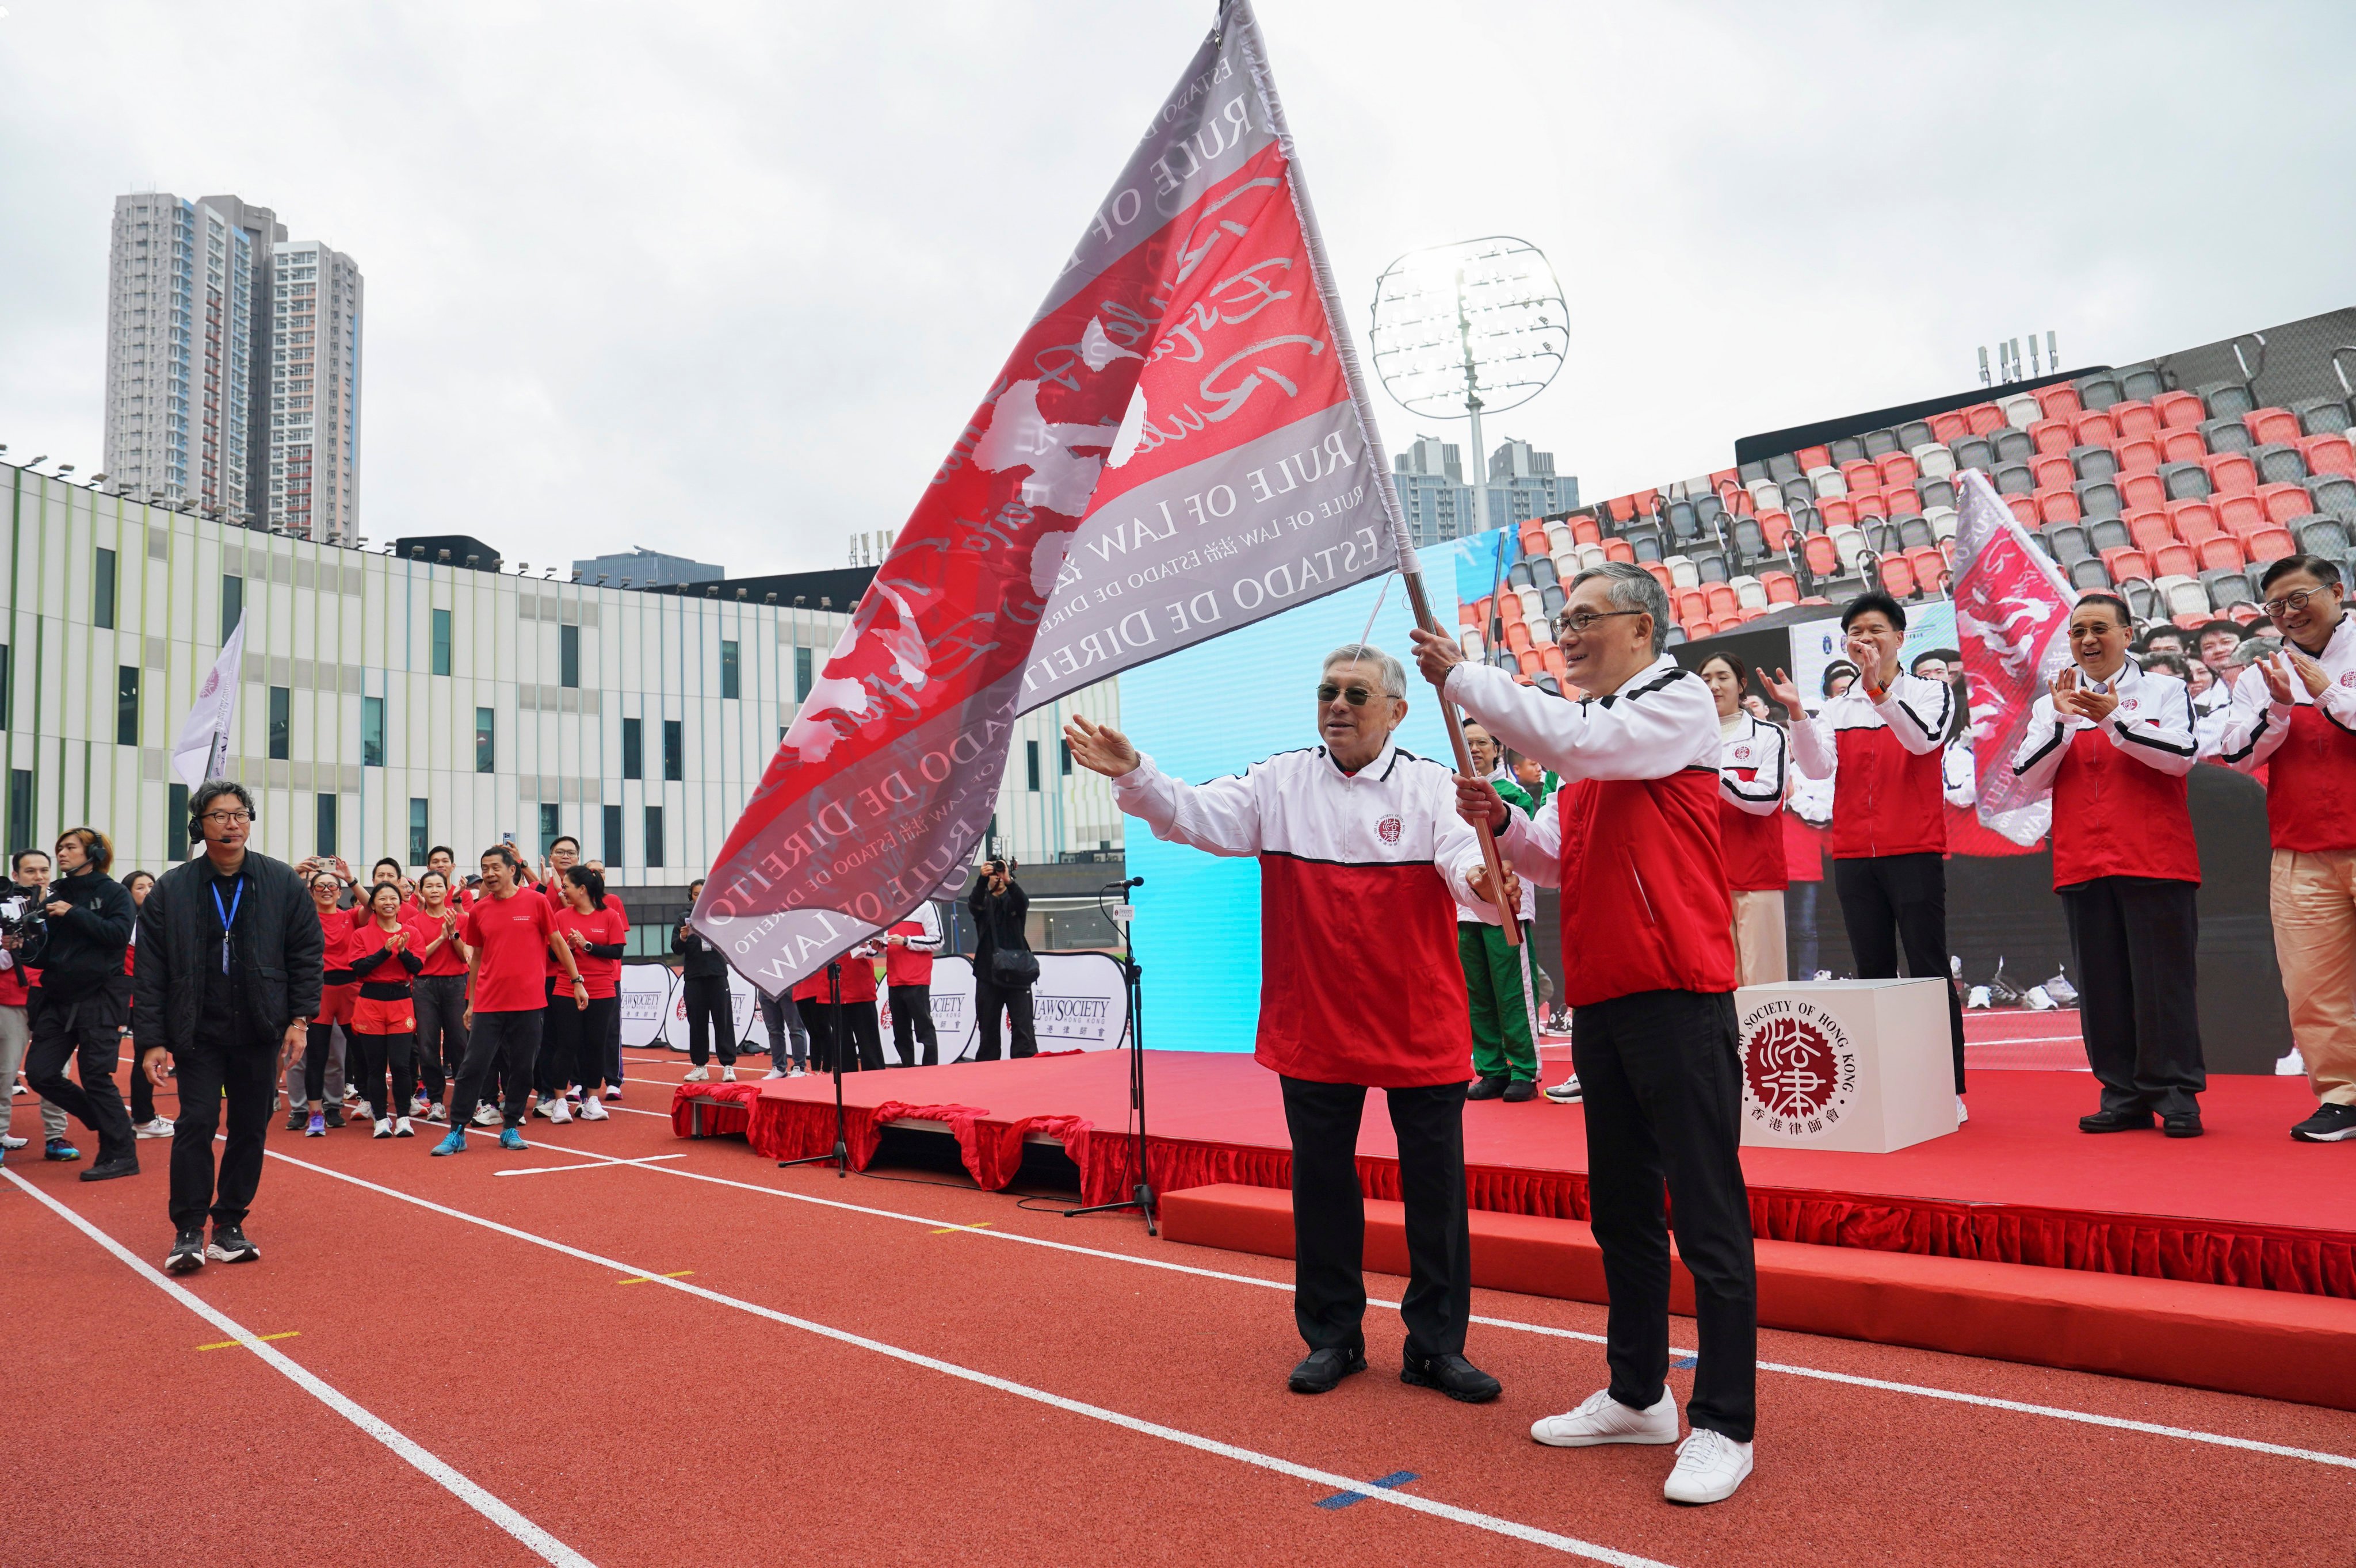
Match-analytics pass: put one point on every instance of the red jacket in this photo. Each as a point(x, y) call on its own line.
point(857, 982)
point(2305, 749)
point(1885, 759)
point(1751, 780)
point(2118, 796)
point(911, 964)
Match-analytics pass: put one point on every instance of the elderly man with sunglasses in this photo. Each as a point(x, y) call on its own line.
point(1632, 839)
point(1363, 859)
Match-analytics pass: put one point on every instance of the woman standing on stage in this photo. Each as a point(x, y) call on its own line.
point(1750, 779)
point(384, 1014)
point(575, 1053)
point(2114, 743)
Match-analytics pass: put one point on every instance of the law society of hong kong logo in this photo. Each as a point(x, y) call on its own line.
point(1799, 1069)
point(1387, 830)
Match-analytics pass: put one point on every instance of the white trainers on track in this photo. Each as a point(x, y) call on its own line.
point(593, 1110)
point(383, 1127)
point(1567, 1092)
point(697, 1075)
point(557, 1112)
point(402, 1129)
point(486, 1115)
point(1710, 1465)
point(1603, 1419)
point(728, 1075)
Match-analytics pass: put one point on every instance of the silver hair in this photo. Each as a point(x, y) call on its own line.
point(1393, 673)
point(1633, 588)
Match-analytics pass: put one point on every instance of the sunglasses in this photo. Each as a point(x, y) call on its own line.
point(1356, 696)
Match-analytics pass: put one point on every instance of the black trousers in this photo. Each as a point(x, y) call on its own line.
point(988, 998)
point(211, 1076)
point(318, 1041)
point(596, 1021)
point(378, 1053)
point(1329, 1214)
point(441, 1001)
point(710, 1019)
point(1663, 1078)
point(2132, 938)
point(91, 1028)
point(1893, 901)
point(510, 1041)
point(560, 1041)
point(912, 1022)
point(863, 1049)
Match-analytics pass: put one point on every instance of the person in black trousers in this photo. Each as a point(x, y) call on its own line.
point(81, 1011)
point(144, 1122)
point(703, 982)
point(999, 904)
point(228, 967)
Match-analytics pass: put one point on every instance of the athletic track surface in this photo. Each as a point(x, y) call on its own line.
point(551, 1356)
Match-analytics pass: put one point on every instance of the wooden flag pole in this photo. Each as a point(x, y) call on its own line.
point(1422, 603)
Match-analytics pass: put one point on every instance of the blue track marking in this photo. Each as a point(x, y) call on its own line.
point(1391, 1482)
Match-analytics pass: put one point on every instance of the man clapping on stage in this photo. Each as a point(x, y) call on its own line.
point(1363, 858)
point(1632, 839)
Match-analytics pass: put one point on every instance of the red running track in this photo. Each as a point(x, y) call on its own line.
point(807, 1392)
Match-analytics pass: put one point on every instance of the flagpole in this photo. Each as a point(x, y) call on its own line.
point(1239, 12)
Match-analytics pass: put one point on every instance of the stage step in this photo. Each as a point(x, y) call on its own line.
point(2269, 1343)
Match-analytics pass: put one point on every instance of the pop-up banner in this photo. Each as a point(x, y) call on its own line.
point(1080, 1003)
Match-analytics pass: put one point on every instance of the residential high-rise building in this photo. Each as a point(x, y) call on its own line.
point(1523, 484)
point(179, 354)
point(262, 232)
point(316, 303)
point(1430, 477)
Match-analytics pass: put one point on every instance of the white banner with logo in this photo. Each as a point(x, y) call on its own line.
point(744, 1012)
point(645, 993)
point(1080, 1003)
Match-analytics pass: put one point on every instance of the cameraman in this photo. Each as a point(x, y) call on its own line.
point(27, 868)
point(82, 1010)
point(1003, 968)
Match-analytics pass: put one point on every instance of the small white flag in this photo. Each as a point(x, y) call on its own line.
point(200, 752)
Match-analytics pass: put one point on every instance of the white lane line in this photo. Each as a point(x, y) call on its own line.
point(1954, 1396)
point(1513, 1529)
point(586, 1165)
point(536, 1540)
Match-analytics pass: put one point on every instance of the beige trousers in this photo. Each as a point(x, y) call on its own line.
point(2313, 895)
point(1758, 938)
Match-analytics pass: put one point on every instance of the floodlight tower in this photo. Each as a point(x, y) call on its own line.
point(1464, 330)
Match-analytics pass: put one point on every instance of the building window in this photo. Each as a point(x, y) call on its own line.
point(801, 675)
point(371, 732)
point(7, 693)
point(1031, 762)
point(568, 656)
point(1066, 748)
point(634, 748)
point(233, 604)
point(102, 596)
point(485, 748)
point(441, 642)
point(326, 824)
point(612, 847)
point(654, 856)
point(282, 723)
point(175, 822)
point(675, 749)
point(420, 839)
point(730, 682)
point(549, 830)
point(126, 705)
point(20, 809)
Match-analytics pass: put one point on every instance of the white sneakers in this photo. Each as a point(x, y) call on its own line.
point(796, 1073)
point(697, 1075)
point(6, 1141)
point(486, 1115)
point(1567, 1092)
point(1710, 1467)
point(773, 1073)
point(557, 1113)
point(613, 1090)
point(1603, 1419)
point(1962, 1112)
point(728, 1075)
point(419, 1104)
point(402, 1129)
point(384, 1126)
point(156, 1127)
point(593, 1110)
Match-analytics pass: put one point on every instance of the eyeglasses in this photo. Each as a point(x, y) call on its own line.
point(2277, 608)
point(1356, 696)
point(1579, 623)
point(228, 819)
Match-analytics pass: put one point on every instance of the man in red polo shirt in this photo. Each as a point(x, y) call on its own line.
point(511, 933)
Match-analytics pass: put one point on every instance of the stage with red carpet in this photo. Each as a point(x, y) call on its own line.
point(2242, 1206)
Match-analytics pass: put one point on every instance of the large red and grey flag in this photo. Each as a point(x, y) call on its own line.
point(1179, 445)
point(2011, 606)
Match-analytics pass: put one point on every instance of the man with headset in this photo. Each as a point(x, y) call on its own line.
point(228, 960)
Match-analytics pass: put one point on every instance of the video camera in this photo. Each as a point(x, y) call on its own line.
point(24, 914)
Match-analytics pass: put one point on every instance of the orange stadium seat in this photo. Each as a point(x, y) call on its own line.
point(2271, 425)
point(2024, 507)
point(2121, 564)
point(1869, 504)
point(2059, 400)
point(1781, 587)
point(1775, 528)
point(2179, 411)
point(2057, 503)
point(2181, 445)
point(2194, 520)
point(1660, 573)
point(1644, 501)
point(1982, 417)
point(1623, 509)
point(2284, 503)
point(2094, 429)
point(1946, 427)
point(2139, 453)
point(2232, 473)
point(2051, 468)
point(1928, 564)
point(1722, 599)
point(1898, 468)
point(2221, 552)
point(1823, 555)
point(2133, 418)
point(2150, 528)
point(1532, 661)
point(1897, 576)
point(2328, 453)
point(1903, 501)
point(2174, 560)
point(1584, 530)
point(2140, 490)
point(1836, 512)
point(2240, 516)
point(2271, 544)
point(1859, 474)
point(1812, 458)
point(1620, 549)
point(2053, 435)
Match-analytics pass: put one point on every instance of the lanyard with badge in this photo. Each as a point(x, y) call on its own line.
point(228, 916)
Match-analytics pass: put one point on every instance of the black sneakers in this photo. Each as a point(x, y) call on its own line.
point(1520, 1090)
point(229, 1246)
point(187, 1253)
point(109, 1167)
point(1451, 1375)
point(1485, 1089)
point(1321, 1370)
point(2330, 1125)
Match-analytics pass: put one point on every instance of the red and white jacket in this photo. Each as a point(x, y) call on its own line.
point(1886, 755)
point(1360, 874)
point(2306, 745)
point(911, 963)
point(1632, 836)
point(1752, 770)
point(2119, 808)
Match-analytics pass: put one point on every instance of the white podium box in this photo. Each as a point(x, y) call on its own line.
point(1861, 1066)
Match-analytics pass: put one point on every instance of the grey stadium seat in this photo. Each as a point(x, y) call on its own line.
point(2185, 481)
point(2097, 499)
point(2279, 464)
point(2088, 573)
point(2014, 479)
point(2068, 542)
point(2097, 391)
point(1882, 442)
point(2226, 434)
point(2094, 461)
point(2108, 533)
point(1972, 452)
point(2012, 445)
point(2140, 383)
point(1847, 448)
point(2226, 399)
point(2320, 416)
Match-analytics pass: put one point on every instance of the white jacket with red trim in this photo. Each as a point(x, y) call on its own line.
point(2118, 809)
point(1886, 756)
point(1632, 836)
point(1360, 874)
point(1752, 773)
point(2306, 745)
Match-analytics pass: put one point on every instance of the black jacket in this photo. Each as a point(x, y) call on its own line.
point(84, 949)
point(997, 920)
point(703, 961)
point(283, 950)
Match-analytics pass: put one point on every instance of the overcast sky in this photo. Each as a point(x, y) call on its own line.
point(727, 278)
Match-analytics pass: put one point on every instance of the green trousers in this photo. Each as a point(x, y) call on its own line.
point(1499, 984)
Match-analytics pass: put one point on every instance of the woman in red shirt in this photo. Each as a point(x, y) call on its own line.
point(384, 1015)
point(572, 1041)
point(440, 990)
point(339, 991)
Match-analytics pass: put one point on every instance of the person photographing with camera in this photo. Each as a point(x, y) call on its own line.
point(228, 969)
point(88, 918)
point(1004, 968)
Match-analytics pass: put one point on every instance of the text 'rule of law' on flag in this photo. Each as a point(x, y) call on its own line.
point(1179, 445)
point(2011, 607)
